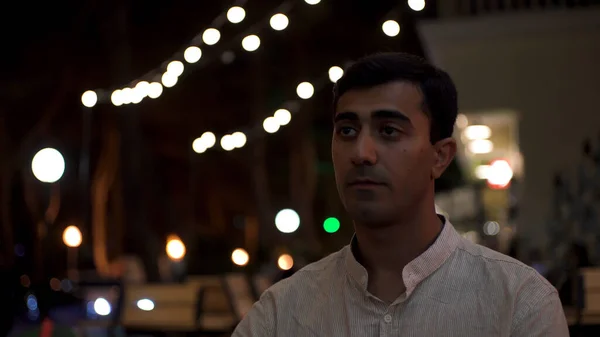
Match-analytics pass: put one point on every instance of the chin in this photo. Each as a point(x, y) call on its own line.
point(370, 216)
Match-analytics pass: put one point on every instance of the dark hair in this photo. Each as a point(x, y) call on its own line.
point(440, 101)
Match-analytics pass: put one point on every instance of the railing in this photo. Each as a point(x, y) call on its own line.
point(484, 7)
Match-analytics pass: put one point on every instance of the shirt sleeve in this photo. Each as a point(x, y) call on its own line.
point(543, 318)
point(260, 320)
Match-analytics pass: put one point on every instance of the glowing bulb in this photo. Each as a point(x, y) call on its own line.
point(127, 95)
point(282, 116)
point(175, 68)
point(208, 139)
point(175, 248)
point(236, 14)
point(116, 98)
point(279, 21)
point(168, 80)
point(48, 165)
point(416, 5)
point(287, 221)
point(142, 88)
point(271, 125)
point(251, 43)
point(305, 90)
point(136, 96)
point(481, 146)
point(72, 237)
point(102, 307)
point(240, 257)
point(285, 262)
point(198, 145)
point(211, 36)
point(192, 54)
point(227, 143)
point(312, 2)
point(500, 174)
point(391, 28)
point(155, 90)
point(145, 304)
point(89, 98)
point(335, 73)
point(239, 139)
point(474, 132)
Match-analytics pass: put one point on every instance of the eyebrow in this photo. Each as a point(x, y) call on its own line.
point(377, 114)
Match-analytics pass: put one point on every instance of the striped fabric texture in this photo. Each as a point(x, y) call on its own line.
point(454, 289)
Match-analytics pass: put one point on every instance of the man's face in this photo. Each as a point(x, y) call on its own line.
point(382, 155)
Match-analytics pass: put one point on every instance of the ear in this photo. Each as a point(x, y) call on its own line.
point(445, 150)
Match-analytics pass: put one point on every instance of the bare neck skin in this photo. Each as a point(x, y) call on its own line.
point(385, 251)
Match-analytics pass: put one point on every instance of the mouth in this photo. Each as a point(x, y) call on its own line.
point(364, 183)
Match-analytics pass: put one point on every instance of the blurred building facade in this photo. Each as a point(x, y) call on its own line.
point(538, 63)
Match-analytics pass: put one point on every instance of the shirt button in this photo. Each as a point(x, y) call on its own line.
point(387, 318)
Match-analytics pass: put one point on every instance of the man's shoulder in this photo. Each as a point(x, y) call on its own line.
point(512, 273)
point(312, 277)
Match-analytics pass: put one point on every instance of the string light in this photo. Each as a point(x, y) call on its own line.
point(251, 43)
point(391, 28)
point(270, 125)
point(192, 54)
point(236, 14)
point(282, 117)
point(127, 95)
point(211, 36)
point(168, 80)
point(335, 73)
point(116, 98)
point(155, 89)
point(227, 143)
point(89, 98)
point(305, 90)
point(175, 68)
point(279, 22)
point(416, 5)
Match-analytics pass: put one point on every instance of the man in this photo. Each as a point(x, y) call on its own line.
point(407, 272)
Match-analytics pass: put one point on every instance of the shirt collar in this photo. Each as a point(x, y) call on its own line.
point(419, 268)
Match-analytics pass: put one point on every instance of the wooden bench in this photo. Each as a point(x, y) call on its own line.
point(204, 304)
point(175, 307)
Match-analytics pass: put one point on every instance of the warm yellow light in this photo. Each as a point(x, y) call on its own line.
point(48, 165)
point(89, 98)
point(279, 21)
point(285, 262)
point(175, 248)
point(391, 28)
point(72, 237)
point(240, 257)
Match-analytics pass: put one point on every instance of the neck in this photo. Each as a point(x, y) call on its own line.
point(390, 248)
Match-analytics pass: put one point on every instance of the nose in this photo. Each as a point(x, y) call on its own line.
point(365, 152)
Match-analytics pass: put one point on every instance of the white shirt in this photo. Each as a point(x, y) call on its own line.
point(454, 289)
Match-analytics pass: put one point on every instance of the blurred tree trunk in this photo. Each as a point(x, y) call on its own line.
point(131, 158)
point(102, 184)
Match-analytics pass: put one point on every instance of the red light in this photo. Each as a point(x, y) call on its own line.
point(500, 174)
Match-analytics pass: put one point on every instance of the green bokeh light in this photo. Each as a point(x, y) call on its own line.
point(331, 225)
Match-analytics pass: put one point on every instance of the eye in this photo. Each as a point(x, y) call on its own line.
point(346, 131)
point(389, 131)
